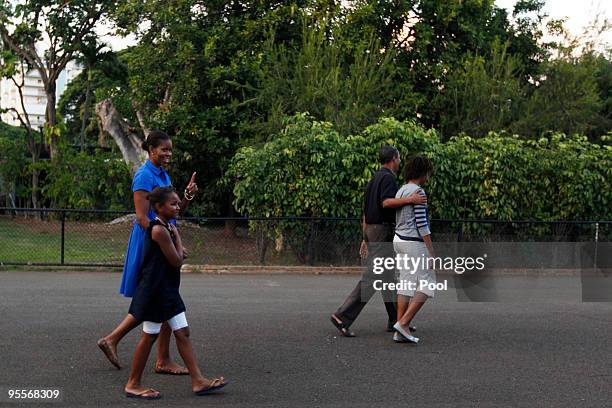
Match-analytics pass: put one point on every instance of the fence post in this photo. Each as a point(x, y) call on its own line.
point(460, 233)
point(596, 241)
point(63, 224)
point(311, 243)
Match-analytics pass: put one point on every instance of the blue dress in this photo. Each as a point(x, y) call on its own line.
point(146, 179)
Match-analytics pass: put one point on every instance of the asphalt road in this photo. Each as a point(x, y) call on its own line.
point(270, 336)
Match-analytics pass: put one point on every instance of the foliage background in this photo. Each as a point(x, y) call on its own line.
point(310, 170)
point(477, 89)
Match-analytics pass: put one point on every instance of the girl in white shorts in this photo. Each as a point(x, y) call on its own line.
point(157, 299)
point(413, 239)
point(419, 279)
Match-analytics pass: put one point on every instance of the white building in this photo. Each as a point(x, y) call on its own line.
point(35, 100)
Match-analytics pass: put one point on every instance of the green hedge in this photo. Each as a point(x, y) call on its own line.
point(13, 158)
point(310, 170)
point(81, 180)
point(74, 180)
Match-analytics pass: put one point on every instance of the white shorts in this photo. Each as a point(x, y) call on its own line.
point(176, 323)
point(419, 279)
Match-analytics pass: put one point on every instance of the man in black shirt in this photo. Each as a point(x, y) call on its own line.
point(378, 223)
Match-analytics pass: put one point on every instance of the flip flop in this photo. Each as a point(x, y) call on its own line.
point(212, 389)
point(170, 372)
point(141, 395)
point(344, 331)
point(109, 353)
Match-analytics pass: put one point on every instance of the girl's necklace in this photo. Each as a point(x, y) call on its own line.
point(163, 223)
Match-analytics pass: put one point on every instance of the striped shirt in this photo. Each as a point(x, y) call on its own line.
point(411, 220)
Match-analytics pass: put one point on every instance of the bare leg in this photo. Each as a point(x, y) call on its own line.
point(402, 305)
point(164, 362)
point(141, 355)
point(416, 303)
point(126, 325)
point(108, 344)
point(198, 381)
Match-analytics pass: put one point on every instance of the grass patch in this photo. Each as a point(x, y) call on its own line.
point(26, 240)
point(29, 240)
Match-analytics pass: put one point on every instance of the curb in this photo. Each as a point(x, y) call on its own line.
point(355, 270)
point(270, 270)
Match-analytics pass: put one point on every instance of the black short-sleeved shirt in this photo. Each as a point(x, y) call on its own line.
point(381, 187)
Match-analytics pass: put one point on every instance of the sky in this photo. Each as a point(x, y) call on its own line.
point(578, 12)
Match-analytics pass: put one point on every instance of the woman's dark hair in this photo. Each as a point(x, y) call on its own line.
point(417, 167)
point(160, 195)
point(387, 153)
point(154, 139)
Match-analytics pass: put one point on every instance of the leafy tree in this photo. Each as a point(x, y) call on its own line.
point(526, 36)
point(14, 162)
point(566, 99)
point(91, 54)
point(104, 75)
point(482, 95)
point(222, 75)
point(183, 77)
point(15, 70)
point(603, 63)
point(438, 35)
point(309, 170)
point(81, 180)
point(350, 87)
point(58, 27)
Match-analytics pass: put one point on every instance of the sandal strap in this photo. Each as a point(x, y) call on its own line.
point(150, 390)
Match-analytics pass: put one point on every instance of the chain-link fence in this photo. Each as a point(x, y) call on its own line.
point(100, 237)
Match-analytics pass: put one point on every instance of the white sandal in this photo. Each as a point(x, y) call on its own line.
point(404, 333)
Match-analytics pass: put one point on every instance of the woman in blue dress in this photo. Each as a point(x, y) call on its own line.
point(150, 175)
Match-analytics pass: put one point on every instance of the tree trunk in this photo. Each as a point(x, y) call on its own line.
point(10, 196)
point(34, 183)
point(229, 229)
point(117, 127)
point(86, 109)
point(262, 242)
point(35, 203)
point(141, 122)
point(51, 119)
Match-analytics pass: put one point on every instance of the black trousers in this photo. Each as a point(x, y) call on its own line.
point(379, 238)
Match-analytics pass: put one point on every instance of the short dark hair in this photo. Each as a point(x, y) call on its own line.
point(387, 153)
point(417, 167)
point(154, 139)
point(160, 195)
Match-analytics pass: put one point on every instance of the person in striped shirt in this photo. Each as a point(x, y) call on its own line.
point(413, 239)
